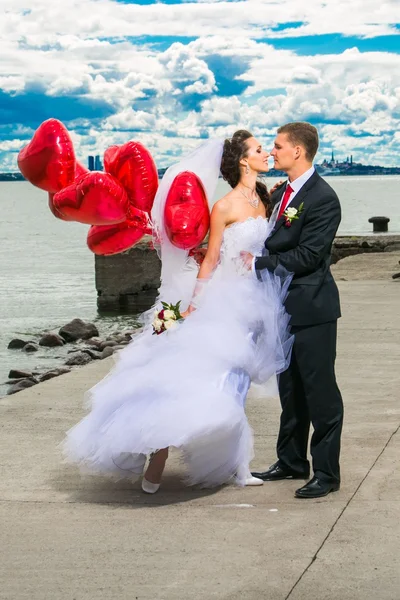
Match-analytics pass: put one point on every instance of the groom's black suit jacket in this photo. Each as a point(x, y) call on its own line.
point(304, 249)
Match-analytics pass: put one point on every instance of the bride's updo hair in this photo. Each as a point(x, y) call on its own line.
point(234, 150)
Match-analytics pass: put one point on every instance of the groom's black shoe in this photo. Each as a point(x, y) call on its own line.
point(275, 473)
point(316, 488)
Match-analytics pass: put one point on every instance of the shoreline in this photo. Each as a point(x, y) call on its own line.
point(81, 344)
point(363, 171)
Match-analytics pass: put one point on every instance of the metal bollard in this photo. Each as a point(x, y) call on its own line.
point(380, 224)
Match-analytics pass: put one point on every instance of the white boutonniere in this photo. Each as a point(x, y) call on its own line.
point(291, 214)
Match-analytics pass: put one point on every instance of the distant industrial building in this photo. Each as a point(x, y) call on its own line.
point(98, 164)
point(94, 163)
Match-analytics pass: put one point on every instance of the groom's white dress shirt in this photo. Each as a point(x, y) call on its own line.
point(296, 186)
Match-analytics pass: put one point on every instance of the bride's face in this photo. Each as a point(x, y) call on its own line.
point(256, 157)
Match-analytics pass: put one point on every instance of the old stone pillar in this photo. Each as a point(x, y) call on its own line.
point(128, 282)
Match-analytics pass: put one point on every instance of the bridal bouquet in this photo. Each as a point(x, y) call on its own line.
point(166, 318)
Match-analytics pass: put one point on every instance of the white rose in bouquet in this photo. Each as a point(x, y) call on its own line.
point(157, 324)
point(169, 314)
point(166, 318)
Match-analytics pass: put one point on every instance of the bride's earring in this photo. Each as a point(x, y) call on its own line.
point(247, 171)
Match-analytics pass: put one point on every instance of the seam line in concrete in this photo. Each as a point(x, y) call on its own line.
point(314, 558)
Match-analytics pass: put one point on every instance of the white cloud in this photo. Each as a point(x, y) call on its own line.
point(104, 18)
point(11, 145)
point(221, 111)
point(370, 97)
point(184, 68)
point(304, 74)
point(170, 98)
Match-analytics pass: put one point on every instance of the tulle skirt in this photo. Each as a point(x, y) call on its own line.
point(186, 387)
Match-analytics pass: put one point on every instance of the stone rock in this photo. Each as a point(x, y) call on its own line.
point(17, 344)
point(392, 248)
point(95, 354)
point(345, 243)
point(21, 385)
point(74, 349)
point(78, 359)
point(129, 332)
point(78, 330)
point(54, 373)
point(107, 344)
point(17, 374)
point(95, 341)
point(112, 336)
point(14, 381)
point(51, 340)
point(30, 347)
point(123, 338)
point(108, 351)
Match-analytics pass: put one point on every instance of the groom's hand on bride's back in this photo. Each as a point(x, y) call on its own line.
point(247, 259)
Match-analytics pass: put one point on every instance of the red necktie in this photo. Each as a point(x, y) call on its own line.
point(285, 200)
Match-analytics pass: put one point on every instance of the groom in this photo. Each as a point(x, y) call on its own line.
point(308, 216)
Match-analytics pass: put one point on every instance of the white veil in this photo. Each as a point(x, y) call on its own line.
point(178, 270)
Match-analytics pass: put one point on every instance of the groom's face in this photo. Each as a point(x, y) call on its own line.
point(284, 152)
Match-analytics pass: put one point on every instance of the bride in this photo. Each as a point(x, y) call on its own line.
point(186, 388)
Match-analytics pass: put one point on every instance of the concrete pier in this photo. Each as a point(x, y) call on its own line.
point(64, 537)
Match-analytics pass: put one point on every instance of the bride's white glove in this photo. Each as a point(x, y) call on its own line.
point(197, 296)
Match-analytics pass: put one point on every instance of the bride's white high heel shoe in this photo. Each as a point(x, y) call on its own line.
point(253, 481)
point(244, 475)
point(147, 486)
point(150, 488)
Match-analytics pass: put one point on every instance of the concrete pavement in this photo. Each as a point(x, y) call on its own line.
point(68, 538)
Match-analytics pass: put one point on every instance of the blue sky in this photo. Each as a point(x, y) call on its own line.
point(173, 73)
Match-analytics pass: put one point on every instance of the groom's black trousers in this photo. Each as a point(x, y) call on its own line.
point(309, 394)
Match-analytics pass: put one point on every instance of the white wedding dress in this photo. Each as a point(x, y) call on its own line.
point(186, 388)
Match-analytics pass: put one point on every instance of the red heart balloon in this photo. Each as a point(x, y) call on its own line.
point(97, 199)
point(133, 165)
point(113, 239)
point(186, 214)
point(53, 209)
point(80, 171)
point(48, 161)
point(140, 219)
point(110, 155)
